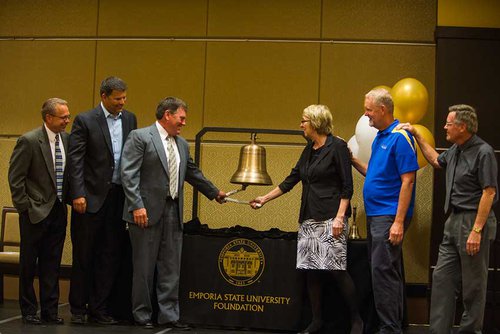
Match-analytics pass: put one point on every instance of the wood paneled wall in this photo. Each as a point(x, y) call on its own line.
point(237, 64)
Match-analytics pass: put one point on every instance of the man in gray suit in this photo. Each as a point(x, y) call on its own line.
point(37, 180)
point(155, 163)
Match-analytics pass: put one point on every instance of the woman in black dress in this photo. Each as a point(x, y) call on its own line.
point(324, 168)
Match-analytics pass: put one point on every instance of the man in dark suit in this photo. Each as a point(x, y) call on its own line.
point(98, 232)
point(37, 176)
point(155, 164)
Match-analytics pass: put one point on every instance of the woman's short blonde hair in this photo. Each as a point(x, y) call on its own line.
point(320, 118)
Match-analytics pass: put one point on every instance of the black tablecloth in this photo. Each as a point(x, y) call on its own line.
point(239, 277)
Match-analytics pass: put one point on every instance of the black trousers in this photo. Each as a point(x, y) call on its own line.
point(100, 248)
point(41, 250)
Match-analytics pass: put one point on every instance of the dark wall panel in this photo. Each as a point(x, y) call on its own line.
point(467, 71)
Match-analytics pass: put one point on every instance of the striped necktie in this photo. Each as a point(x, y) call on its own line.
point(59, 168)
point(172, 167)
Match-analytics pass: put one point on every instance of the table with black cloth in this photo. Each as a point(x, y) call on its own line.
point(242, 278)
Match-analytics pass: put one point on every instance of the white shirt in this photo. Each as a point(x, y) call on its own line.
point(52, 142)
point(163, 136)
point(116, 134)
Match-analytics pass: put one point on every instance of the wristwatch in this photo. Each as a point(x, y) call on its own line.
point(477, 229)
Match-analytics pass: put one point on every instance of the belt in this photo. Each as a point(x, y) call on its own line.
point(455, 209)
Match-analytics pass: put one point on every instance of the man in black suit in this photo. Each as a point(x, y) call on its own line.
point(99, 236)
point(37, 180)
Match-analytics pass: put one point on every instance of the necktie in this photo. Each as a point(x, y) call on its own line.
point(172, 167)
point(449, 189)
point(59, 168)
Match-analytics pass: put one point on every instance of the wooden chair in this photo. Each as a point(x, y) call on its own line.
point(10, 242)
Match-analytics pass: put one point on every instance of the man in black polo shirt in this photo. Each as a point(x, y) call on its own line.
point(471, 190)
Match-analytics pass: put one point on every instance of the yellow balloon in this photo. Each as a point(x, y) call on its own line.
point(429, 138)
point(410, 100)
point(387, 88)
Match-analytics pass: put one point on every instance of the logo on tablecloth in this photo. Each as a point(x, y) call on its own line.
point(241, 262)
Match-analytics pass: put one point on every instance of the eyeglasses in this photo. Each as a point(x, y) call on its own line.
point(66, 118)
point(448, 124)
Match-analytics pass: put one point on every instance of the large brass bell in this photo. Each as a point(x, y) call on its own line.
point(353, 229)
point(251, 169)
point(252, 166)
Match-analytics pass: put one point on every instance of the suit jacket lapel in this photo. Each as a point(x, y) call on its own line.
point(158, 144)
point(103, 124)
point(322, 154)
point(183, 162)
point(64, 140)
point(43, 139)
point(126, 126)
point(304, 166)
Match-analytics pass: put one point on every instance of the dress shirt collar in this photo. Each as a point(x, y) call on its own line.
point(108, 114)
point(389, 128)
point(51, 134)
point(163, 133)
point(469, 143)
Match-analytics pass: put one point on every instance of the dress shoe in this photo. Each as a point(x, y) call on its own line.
point(357, 326)
point(177, 325)
point(103, 319)
point(53, 320)
point(32, 320)
point(314, 327)
point(306, 331)
point(146, 324)
point(78, 319)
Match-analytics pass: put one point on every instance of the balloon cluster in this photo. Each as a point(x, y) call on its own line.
point(410, 105)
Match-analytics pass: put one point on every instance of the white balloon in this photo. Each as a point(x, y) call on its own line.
point(353, 146)
point(364, 132)
point(364, 153)
point(364, 136)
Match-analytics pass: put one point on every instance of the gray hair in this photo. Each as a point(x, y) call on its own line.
point(170, 104)
point(110, 84)
point(320, 117)
point(49, 106)
point(467, 115)
point(382, 97)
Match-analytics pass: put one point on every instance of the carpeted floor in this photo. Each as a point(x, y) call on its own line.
point(11, 323)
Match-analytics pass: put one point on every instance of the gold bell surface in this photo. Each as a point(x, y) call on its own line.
point(252, 166)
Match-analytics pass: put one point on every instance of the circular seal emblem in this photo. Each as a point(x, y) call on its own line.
point(241, 262)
